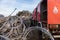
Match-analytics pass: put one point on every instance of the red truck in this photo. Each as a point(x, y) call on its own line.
point(42, 13)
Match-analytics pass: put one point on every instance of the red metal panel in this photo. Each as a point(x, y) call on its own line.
point(53, 11)
point(36, 13)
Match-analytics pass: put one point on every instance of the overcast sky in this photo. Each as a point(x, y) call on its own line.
point(7, 6)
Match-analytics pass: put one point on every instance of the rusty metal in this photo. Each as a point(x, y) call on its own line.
point(15, 29)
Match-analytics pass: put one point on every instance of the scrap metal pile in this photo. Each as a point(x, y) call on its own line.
point(14, 28)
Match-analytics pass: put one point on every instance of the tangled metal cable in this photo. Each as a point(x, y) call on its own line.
point(12, 29)
point(4, 38)
point(16, 30)
point(27, 31)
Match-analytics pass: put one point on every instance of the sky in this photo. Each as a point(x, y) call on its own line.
point(7, 6)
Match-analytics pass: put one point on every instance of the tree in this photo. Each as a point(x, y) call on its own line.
point(24, 13)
